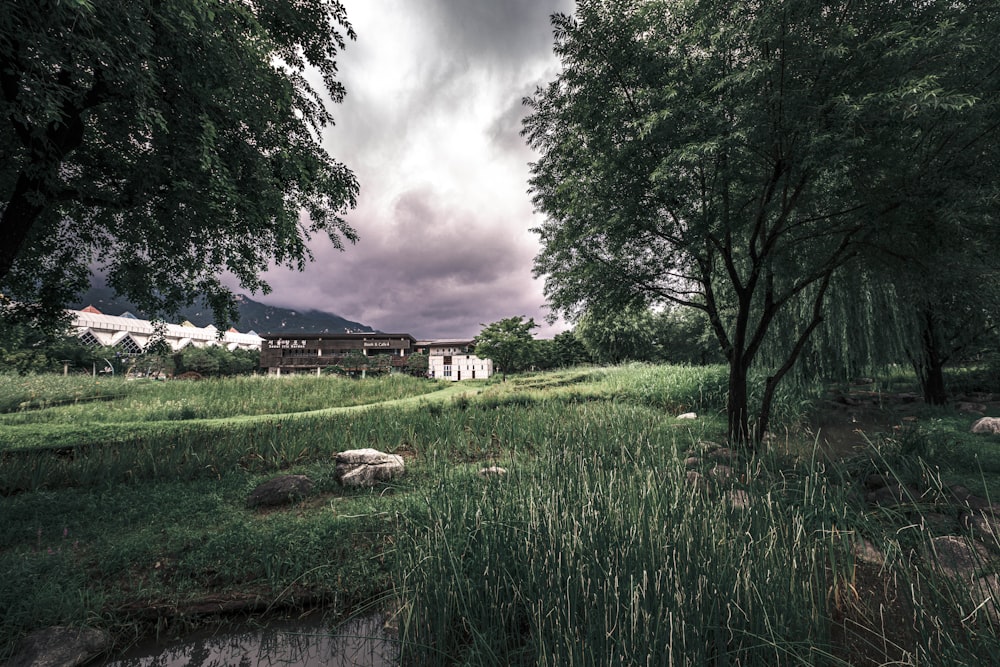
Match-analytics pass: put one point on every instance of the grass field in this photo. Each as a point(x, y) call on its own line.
point(123, 506)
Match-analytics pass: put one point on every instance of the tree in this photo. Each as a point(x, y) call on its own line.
point(715, 155)
point(165, 143)
point(684, 336)
point(628, 334)
point(508, 342)
point(417, 364)
point(568, 350)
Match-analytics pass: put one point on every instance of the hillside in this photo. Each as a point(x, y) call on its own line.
point(254, 316)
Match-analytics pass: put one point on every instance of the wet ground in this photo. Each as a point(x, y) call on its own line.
point(307, 642)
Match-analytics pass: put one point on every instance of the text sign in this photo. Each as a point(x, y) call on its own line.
point(286, 344)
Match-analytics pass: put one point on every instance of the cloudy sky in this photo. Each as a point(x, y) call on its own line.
point(431, 129)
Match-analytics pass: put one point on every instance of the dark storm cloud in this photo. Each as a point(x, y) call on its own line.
point(431, 128)
point(501, 30)
point(430, 272)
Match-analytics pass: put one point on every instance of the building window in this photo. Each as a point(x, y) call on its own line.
point(88, 338)
point(129, 346)
point(447, 372)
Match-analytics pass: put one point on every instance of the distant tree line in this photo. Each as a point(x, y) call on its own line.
point(675, 336)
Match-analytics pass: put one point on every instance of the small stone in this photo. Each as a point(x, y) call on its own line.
point(877, 481)
point(721, 472)
point(866, 552)
point(971, 408)
point(722, 454)
point(280, 491)
point(493, 471)
point(738, 499)
point(688, 415)
point(987, 425)
point(692, 462)
point(59, 646)
point(984, 525)
point(697, 480)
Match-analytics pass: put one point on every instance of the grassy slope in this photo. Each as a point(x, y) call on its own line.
point(120, 534)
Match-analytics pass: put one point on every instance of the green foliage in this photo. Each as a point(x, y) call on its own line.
point(167, 144)
point(417, 364)
point(628, 334)
point(28, 348)
point(734, 157)
point(215, 361)
point(684, 336)
point(508, 342)
point(568, 350)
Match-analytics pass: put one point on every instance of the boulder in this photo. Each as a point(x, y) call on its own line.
point(892, 495)
point(59, 646)
point(365, 467)
point(280, 491)
point(987, 425)
point(688, 415)
point(970, 408)
point(957, 557)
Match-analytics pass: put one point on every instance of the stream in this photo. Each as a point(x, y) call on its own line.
point(307, 642)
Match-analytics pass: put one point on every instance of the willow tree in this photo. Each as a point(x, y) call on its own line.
point(707, 153)
point(928, 290)
point(165, 143)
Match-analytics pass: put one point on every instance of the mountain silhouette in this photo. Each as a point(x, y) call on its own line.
point(254, 316)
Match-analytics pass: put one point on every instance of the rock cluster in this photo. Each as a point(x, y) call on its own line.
point(720, 465)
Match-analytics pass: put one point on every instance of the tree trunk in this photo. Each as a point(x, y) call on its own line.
point(736, 405)
point(20, 213)
point(930, 364)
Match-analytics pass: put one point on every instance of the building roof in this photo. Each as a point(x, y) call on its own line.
point(94, 319)
point(438, 342)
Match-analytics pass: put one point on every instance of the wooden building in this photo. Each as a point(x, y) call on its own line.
point(305, 353)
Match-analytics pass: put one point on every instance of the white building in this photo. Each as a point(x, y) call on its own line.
point(455, 360)
point(132, 335)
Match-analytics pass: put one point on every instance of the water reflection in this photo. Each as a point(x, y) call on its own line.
point(358, 643)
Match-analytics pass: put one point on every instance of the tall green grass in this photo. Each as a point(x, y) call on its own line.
point(598, 555)
point(75, 400)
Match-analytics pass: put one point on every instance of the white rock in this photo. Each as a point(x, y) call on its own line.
point(688, 415)
point(987, 425)
point(365, 467)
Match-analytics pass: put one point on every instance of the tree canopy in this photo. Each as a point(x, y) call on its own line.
point(735, 156)
point(508, 342)
point(165, 143)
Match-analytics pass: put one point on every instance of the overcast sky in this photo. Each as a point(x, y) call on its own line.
point(430, 128)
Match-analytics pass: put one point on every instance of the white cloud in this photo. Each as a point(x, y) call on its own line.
point(431, 128)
